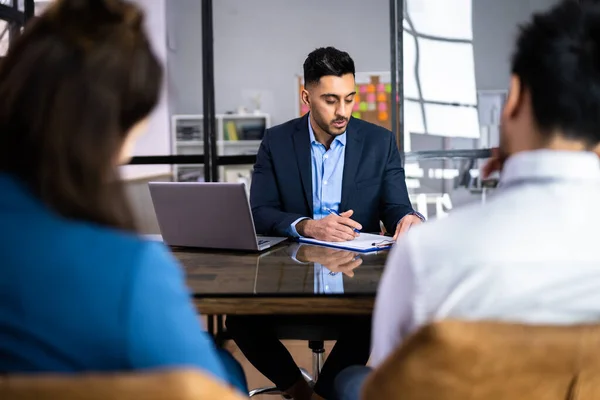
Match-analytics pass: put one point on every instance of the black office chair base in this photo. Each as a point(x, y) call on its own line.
point(275, 391)
point(316, 332)
point(266, 390)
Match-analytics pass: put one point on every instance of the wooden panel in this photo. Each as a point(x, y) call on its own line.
point(308, 305)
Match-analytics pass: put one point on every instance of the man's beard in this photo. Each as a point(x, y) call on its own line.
point(326, 127)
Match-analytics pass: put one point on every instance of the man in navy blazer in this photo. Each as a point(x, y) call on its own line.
point(373, 186)
point(327, 176)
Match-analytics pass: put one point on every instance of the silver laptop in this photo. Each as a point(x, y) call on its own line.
point(207, 215)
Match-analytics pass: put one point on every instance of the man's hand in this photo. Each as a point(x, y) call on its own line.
point(332, 228)
point(405, 224)
point(333, 259)
point(495, 163)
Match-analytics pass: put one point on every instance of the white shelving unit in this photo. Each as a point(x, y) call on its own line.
point(237, 134)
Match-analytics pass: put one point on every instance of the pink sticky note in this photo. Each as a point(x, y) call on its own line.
point(363, 88)
point(371, 97)
point(356, 106)
point(382, 107)
point(381, 87)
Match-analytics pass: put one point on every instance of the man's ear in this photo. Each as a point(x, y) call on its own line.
point(597, 150)
point(515, 97)
point(305, 97)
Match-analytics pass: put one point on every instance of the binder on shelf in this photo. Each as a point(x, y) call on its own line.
point(231, 131)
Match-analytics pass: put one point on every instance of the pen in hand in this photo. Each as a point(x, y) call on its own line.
point(335, 213)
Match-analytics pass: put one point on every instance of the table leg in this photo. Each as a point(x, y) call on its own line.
point(221, 335)
point(210, 324)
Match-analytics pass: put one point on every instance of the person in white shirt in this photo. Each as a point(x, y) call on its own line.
point(530, 254)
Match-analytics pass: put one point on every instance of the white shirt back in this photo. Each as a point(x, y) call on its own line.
point(531, 254)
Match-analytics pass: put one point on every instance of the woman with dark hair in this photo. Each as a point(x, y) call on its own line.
point(80, 290)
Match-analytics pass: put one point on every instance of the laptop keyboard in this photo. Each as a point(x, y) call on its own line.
point(262, 241)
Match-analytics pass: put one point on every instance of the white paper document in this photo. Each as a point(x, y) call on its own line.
point(364, 243)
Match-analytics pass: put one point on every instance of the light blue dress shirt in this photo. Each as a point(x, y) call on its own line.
point(327, 175)
point(327, 282)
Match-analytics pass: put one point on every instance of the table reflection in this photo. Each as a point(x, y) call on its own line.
point(329, 266)
point(290, 269)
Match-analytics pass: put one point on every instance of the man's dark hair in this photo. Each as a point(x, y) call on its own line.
point(326, 61)
point(558, 60)
point(72, 86)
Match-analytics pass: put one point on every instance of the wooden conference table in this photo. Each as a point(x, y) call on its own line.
point(287, 279)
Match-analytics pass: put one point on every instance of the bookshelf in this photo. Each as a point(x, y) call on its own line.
point(237, 134)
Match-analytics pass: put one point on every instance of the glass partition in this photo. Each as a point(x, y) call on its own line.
point(453, 69)
point(260, 48)
point(139, 196)
point(456, 74)
point(12, 19)
point(4, 37)
point(441, 181)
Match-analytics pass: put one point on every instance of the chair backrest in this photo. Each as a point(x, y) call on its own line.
point(454, 360)
point(155, 385)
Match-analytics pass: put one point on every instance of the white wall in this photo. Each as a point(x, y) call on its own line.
point(184, 63)
point(495, 28)
point(157, 140)
point(260, 45)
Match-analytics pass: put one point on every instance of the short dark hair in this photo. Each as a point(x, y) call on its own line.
point(326, 61)
point(557, 59)
point(72, 86)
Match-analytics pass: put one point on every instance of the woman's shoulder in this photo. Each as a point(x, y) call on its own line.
point(113, 257)
point(132, 248)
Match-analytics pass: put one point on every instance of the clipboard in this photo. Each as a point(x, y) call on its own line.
point(364, 243)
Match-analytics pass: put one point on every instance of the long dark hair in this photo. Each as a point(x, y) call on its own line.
point(71, 87)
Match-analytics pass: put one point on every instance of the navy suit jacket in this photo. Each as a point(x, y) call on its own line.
point(373, 182)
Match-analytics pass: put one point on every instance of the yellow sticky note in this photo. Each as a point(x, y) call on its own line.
point(363, 106)
point(356, 114)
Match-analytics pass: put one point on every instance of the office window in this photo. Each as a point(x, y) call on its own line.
point(440, 100)
point(4, 26)
point(440, 93)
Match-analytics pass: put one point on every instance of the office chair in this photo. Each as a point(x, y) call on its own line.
point(316, 335)
point(154, 385)
point(482, 360)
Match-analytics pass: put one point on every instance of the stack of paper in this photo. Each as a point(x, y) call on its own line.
point(364, 243)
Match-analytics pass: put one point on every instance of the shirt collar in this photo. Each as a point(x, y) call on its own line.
point(340, 138)
point(551, 164)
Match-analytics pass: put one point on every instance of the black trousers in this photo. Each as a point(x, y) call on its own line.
point(257, 337)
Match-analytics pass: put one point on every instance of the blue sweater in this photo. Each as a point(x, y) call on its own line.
point(76, 297)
